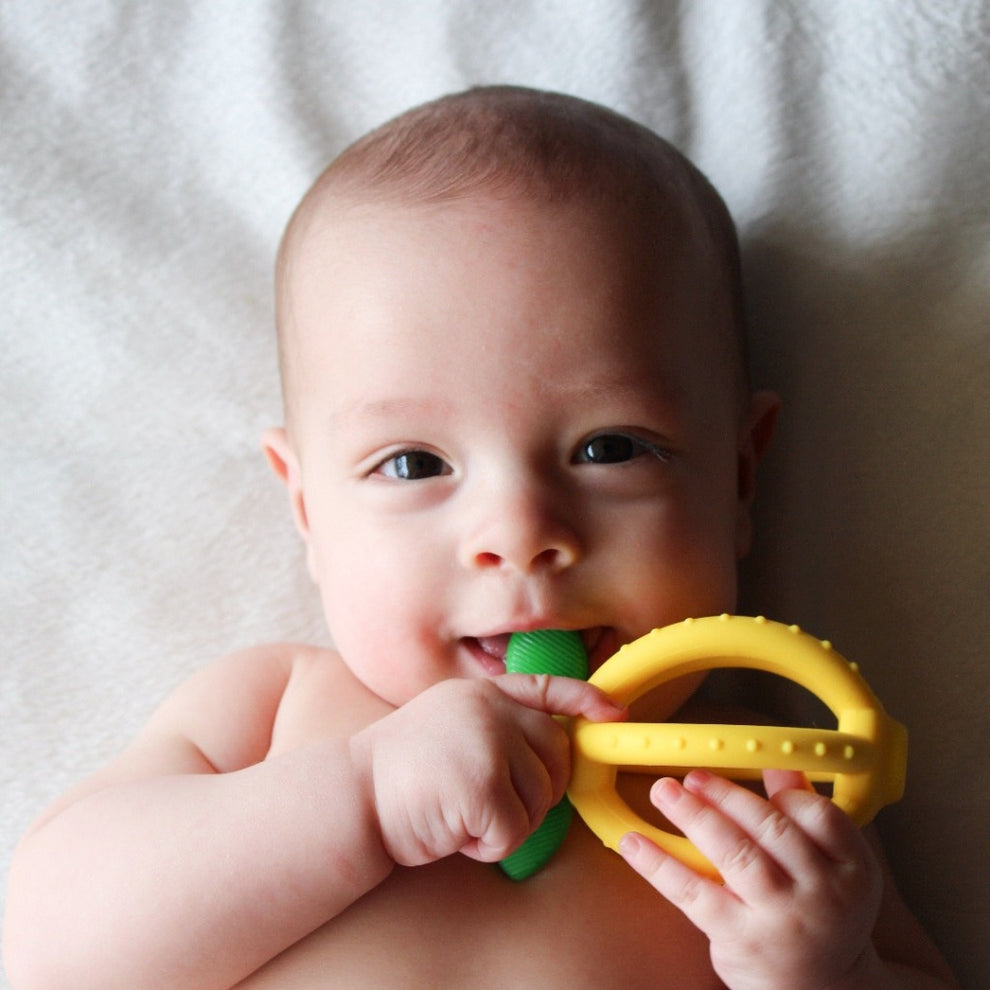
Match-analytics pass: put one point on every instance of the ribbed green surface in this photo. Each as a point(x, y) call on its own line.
point(547, 651)
point(537, 850)
point(561, 653)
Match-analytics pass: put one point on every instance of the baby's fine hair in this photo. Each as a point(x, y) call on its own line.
point(543, 146)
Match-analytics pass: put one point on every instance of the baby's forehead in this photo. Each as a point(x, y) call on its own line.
point(333, 220)
point(519, 149)
point(539, 149)
point(379, 244)
point(356, 252)
point(659, 251)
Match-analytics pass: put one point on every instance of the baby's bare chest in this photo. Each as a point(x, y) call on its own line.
point(587, 921)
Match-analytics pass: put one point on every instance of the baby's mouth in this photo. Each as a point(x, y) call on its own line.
point(492, 649)
point(495, 646)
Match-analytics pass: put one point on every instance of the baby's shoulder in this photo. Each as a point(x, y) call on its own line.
point(238, 708)
point(322, 699)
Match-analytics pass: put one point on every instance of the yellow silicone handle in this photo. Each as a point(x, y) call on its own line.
point(864, 757)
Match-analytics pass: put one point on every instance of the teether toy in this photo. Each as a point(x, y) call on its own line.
point(544, 651)
point(864, 757)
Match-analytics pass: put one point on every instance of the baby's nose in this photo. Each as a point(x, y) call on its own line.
point(551, 558)
point(528, 532)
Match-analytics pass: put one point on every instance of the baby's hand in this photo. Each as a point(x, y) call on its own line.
point(802, 887)
point(473, 766)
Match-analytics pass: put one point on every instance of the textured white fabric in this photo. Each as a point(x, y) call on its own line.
point(149, 155)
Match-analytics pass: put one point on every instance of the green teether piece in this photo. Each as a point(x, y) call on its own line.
point(562, 654)
point(547, 651)
point(539, 848)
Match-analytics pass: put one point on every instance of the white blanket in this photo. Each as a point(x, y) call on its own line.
point(149, 155)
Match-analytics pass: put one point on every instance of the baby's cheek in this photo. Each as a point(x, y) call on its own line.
point(382, 638)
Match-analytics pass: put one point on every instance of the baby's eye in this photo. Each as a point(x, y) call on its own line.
point(616, 448)
point(413, 465)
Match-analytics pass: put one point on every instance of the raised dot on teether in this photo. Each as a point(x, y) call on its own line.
point(679, 742)
point(794, 629)
point(760, 620)
point(826, 644)
point(716, 744)
point(853, 666)
point(849, 752)
point(752, 745)
point(820, 749)
point(787, 747)
point(724, 617)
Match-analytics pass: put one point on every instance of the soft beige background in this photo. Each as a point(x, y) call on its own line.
point(149, 154)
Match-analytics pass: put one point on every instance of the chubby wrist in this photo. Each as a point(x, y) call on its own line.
point(870, 972)
point(338, 853)
point(360, 748)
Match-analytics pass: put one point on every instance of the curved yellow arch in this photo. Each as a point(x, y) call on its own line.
point(864, 757)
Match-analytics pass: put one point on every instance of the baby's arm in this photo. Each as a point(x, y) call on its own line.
point(193, 859)
point(806, 901)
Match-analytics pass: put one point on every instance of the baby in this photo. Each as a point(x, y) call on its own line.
point(511, 342)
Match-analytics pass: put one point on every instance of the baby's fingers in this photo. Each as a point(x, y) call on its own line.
point(560, 696)
point(775, 781)
point(756, 848)
point(825, 825)
point(705, 902)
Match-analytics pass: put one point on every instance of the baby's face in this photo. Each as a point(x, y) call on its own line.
point(507, 419)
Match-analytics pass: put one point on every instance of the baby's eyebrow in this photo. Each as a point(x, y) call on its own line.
point(392, 409)
point(575, 395)
point(657, 395)
point(587, 391)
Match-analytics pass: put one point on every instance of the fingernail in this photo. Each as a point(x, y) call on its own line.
point(630, 844)
point(666, 791)
point(699, 778)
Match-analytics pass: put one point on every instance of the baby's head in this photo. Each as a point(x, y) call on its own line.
point(511, 341)
point(505, 143)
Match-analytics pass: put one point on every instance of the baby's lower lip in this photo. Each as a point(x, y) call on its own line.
point(489, 651)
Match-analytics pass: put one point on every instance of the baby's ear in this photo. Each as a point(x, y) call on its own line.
point(755, 435)
point(285, 464)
